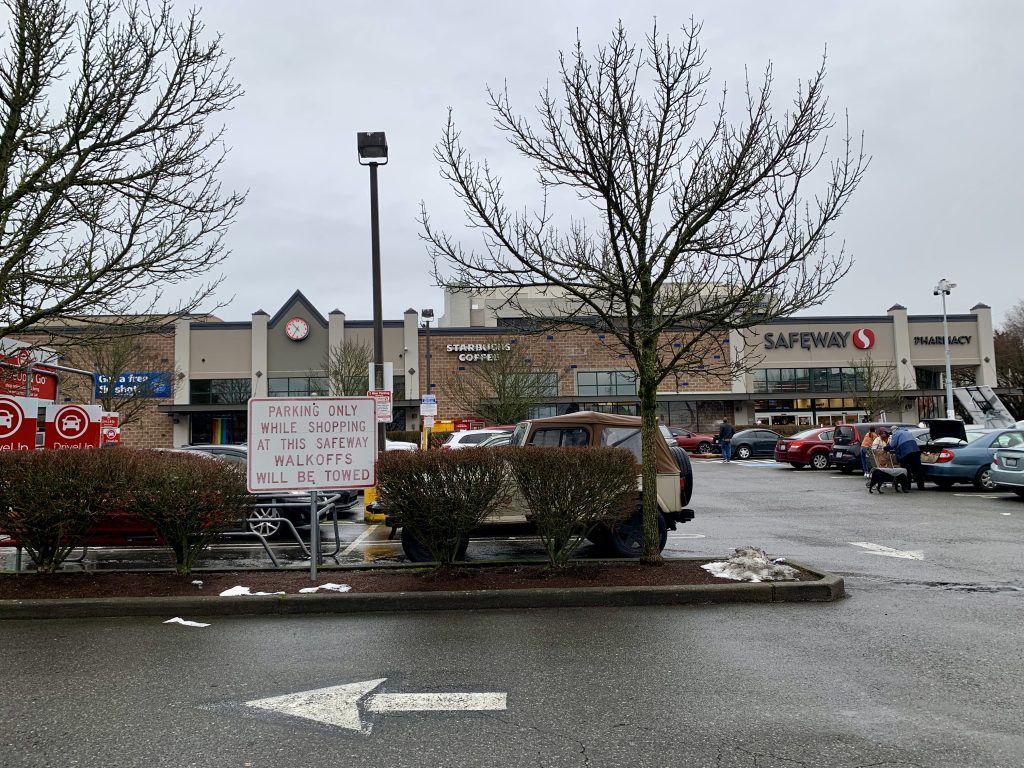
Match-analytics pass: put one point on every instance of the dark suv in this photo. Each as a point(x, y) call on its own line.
point(293, 505)
point(846, 440)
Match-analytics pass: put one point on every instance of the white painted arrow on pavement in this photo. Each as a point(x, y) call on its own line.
point(878, 549)
point(339, 704)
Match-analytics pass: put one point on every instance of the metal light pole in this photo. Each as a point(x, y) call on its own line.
point(373, 151)
point(943, 289)
point(427, 315)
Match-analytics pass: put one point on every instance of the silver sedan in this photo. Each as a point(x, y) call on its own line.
point(1008, 469)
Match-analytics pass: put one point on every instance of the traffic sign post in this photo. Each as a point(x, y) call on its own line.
point(428, 405)
point(383, 399)
point(311, 444)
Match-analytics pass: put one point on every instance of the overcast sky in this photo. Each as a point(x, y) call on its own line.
point(936, 87)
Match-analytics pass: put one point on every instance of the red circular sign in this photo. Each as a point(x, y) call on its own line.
point(863, 338)
point(10, 419)
point(72, 422)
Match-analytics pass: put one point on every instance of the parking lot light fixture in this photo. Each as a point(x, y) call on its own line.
point(373, 151)
point(943, 289)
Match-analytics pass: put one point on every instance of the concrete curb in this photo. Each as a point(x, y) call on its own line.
point(829, 587)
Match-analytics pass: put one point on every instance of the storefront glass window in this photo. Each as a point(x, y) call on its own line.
point(590, 383)
point(297, 386)
point(219, 391)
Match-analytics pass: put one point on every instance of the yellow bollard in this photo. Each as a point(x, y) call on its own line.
point(369, 495)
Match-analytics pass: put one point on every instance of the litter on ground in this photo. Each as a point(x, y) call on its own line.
point(329, 587)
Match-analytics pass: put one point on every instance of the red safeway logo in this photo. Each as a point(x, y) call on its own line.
point(863, 338)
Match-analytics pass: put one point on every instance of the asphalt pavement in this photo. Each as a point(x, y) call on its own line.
point(918, 666)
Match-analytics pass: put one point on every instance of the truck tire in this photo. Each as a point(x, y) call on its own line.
point(685, 471)
point(627, 538)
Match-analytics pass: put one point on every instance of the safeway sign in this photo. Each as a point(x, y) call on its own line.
point(311, 443)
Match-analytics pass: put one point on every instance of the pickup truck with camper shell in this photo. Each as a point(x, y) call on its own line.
point(590, 428)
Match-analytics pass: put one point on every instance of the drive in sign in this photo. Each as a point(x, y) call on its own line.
point(311, 443)
point(72, 426)
point(18, 423)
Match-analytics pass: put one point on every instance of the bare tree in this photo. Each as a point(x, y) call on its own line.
point(504, 384)
point(878, 388)
point(346, 367)
point(127, 375)
point(691, 235)
point(1009, 348)
point(108, 162)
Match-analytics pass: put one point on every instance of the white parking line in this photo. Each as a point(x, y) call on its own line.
point(979, 495)
point(358, 540)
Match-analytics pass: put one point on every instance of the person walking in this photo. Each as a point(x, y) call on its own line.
point(725, 433)
point(908, 454)
point(865, 446)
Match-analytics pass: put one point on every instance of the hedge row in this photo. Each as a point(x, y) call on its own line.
point(441, 496)
point(50, 501)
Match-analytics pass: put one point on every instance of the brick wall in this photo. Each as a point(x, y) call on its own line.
point(559, 351)
point(151, 429)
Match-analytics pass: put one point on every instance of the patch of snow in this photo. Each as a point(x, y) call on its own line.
point(237, 591)
point(185, 622)
point(751, 564)
point(329, 587)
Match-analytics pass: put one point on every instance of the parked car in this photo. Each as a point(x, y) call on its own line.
point(748, 443)
point(810, 447)
point(471, 438)
point(399, 445)
point(695, 442)
point(1008, 469)
point(589, 428)
point(946, 463)
point(291, 505)
point(846, 440)
point(495, 441)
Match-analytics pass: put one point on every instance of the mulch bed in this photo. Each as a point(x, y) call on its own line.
point(26, 586)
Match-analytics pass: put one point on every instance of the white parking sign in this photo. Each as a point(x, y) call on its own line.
point(311, 443)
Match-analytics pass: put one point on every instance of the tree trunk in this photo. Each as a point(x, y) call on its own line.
point(649, 435)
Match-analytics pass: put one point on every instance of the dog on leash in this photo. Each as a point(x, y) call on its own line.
point(899, 478)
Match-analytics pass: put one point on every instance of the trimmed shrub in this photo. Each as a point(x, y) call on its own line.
point(571, 491)
point(187, 498)
point(51, 500)
point(440, 496)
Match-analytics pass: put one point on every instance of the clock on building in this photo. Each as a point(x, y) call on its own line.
point(296, 329)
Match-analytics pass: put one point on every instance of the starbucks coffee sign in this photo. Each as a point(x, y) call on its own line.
point(469, 353)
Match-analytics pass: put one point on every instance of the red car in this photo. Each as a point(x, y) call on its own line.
point(692, 441)
point(808, 447)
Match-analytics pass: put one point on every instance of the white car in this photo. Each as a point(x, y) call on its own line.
point(471, 438)
point(399, 445)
